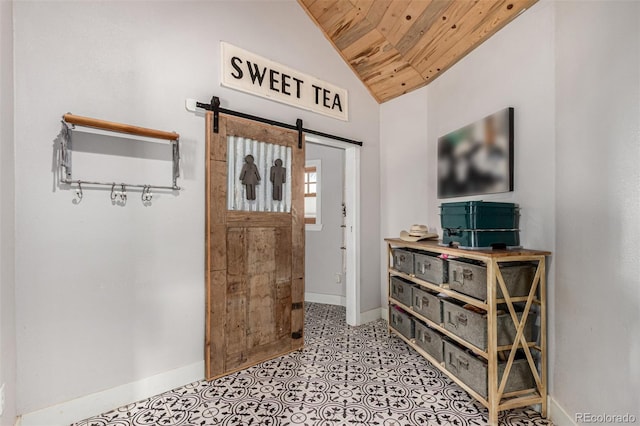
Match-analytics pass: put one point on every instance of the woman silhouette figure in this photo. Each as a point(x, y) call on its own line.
point(250, 177)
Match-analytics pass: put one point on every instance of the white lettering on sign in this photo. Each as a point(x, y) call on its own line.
point(250, 73)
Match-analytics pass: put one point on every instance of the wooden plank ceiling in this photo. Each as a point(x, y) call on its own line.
point(396, 46)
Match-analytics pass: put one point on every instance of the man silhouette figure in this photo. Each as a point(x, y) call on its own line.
point(278, 177)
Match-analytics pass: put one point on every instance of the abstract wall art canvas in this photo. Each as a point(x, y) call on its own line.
point(478, 158)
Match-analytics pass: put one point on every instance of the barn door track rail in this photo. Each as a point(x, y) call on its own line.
point(69, 121)
point(214, 106)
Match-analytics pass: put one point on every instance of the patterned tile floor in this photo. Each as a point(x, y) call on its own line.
point(344, 376)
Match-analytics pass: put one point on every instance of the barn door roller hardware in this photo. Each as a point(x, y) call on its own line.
point(69, 121)
point(214, 106)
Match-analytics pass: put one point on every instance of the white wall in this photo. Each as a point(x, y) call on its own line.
point(109, 295)
point(322, 248)
point(597, 297)
point(404, 168)
point(7, 218)
point(514, 68)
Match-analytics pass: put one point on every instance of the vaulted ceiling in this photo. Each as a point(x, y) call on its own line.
point(396, 46)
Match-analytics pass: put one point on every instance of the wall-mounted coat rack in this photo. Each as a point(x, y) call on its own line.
point(69, 121)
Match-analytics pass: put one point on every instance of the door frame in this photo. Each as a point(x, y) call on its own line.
point(352, 238)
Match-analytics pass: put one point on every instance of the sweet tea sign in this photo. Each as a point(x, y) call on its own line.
point(250, 73)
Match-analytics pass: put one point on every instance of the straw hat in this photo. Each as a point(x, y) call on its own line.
point(417, 233)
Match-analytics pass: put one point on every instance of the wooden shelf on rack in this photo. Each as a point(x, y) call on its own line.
point(505, 255)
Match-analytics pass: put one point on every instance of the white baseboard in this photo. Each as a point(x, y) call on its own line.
point(372, 315)
point(557, 415)
point(384, 313)
point(100, 402)
point(328, 299)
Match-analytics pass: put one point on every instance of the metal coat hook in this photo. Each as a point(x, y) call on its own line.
point(123, 193)
point(114, 194)
point(147, 195)
point(79, 193)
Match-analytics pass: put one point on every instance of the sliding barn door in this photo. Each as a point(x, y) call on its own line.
point(254, 244)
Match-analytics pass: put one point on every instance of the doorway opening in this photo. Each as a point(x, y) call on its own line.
point(335, 237)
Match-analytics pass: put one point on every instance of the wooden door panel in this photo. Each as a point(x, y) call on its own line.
point(235, 342)
point(235, 253)
point(297, 315)
point(261, 253)
point(283, 257)
point(251, 130)
point(297, 218)
point(262, 309)
point(255, 260)
point(217, 212)
point(215, 327)
point(283, 310)
point(219, 250)
point(249, 219)
point(216, 151)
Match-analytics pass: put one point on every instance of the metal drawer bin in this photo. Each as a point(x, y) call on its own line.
point(429, 340)
point(474, 372)
point(472, 326)
point(471, 279)
point(402, 323)
point(430, 268)
point(403, 261)
point(426, 304)
point(401, 290)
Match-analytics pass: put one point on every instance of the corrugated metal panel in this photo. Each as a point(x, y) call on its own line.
point(264, 155)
